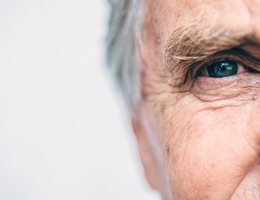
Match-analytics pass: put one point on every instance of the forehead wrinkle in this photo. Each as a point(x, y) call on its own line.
point(191, 44)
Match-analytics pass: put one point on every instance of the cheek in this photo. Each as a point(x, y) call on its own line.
point(208, 152)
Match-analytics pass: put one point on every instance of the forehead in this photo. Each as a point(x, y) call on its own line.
point(231, 14)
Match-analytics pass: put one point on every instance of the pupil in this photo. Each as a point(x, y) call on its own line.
point(222, 69)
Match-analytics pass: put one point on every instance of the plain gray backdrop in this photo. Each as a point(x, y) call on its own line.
point(64, 132)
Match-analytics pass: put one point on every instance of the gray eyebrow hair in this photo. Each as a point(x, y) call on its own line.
point(192, 44)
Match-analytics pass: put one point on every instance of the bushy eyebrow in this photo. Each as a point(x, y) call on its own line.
point(192, 44)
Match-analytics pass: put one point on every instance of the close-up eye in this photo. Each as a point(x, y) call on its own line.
point(222, 69)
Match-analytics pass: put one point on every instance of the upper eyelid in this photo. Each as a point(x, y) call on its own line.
point(219, 60)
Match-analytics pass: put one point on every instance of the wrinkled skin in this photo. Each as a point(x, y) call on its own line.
point(202, 142)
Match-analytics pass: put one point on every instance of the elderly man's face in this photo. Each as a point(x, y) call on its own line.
point(198, 128)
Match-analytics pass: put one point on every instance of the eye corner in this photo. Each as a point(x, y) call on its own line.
point(202, 71)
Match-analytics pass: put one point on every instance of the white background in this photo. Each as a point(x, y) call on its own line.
point(64, 133)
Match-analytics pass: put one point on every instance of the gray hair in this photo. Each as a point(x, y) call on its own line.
point(121, 42)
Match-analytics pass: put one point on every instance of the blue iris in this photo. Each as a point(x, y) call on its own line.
point(222, 69)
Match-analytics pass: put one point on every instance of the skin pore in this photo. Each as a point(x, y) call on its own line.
point(199, 136)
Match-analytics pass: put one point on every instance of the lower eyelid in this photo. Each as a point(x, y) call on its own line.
point(241, 87)
point(208, 83)
point(242, 78)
